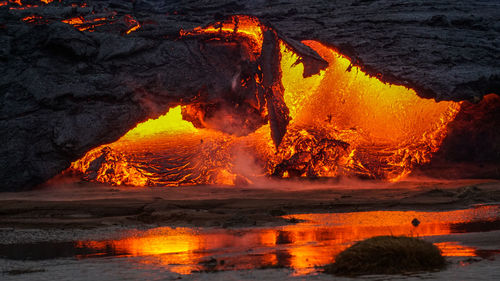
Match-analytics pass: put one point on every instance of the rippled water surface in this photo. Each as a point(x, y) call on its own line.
point(312, 242)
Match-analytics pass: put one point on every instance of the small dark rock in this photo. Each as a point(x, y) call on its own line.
point(293, 220)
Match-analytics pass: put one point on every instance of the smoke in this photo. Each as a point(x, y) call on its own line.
point(239, 119)
point(247, 165)
point(343, 183)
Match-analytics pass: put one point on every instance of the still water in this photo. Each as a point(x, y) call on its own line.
point(312, 242)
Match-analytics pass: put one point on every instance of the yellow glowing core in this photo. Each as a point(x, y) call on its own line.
point(170, 122)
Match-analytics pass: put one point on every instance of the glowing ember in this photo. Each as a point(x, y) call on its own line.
point(245, 26)
point(343, 123)
point(30, 18)
point(21, 6)
point(86, 24)
point(24, 7)
point(132, 23)
point(82, 23)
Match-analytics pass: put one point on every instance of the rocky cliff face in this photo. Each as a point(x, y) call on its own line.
point(65, 90)
point(448, 50)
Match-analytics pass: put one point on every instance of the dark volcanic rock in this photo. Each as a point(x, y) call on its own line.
point(64, 91)
point(448, 50)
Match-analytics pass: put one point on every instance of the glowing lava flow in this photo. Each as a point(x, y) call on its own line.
point(245, 26)
point(370, 128)
point(111, 163)
point(132, 23)
point(343, 123)
point(83, 23)
point(171, 122)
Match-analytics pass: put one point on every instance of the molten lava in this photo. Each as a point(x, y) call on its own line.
point(244, 26)
point(83, 23)
point(384, 130)
point(132, 23)
point(86, 24)
point(19, 5)
point(342, 123)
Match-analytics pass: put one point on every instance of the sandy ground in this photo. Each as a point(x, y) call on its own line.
point(112, 269)
point(89, 206)
point(69, 211)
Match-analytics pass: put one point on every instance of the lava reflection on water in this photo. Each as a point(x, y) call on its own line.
point(315, 241)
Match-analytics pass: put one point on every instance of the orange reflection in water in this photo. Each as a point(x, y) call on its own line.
point(313, 242)
point(342, 230)
point(454, 249)
point(183, 250)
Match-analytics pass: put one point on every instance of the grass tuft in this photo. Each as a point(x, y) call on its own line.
point(387, 255)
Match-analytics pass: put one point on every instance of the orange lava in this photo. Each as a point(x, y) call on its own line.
point(22, 6)
point(86, 24)
point(245, 26)
point(343, 123)
point(132, 23)
point(389, 128)
point(30, 18)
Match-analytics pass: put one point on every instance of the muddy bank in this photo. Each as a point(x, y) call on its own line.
point(89, 206)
